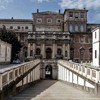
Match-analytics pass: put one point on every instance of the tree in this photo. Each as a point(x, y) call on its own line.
point(9, 36)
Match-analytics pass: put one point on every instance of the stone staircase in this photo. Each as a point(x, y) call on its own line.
point(53, 90)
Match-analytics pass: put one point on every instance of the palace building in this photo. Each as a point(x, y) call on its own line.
point(54, 35)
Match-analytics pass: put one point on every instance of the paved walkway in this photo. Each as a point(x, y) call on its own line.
point(53, 90)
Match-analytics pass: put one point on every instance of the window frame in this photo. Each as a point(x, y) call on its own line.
point(48, 20)
point(39, 20)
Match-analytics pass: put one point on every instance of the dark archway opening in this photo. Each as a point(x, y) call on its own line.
point(48, 72)
point(48, 53)
point(38, 53)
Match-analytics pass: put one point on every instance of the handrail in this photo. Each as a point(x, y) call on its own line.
point(90, 73)
point(7, 75)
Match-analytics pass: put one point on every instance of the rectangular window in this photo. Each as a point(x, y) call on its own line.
point(81, 15)
point(58, 21)
point(11, 27)
point(26, 27)
point(39, 20)
point(49, 20)
point(18, 27)
point(95, 53)
point(70, 14)
point(76, 15)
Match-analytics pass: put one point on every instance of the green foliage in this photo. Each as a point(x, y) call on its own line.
point(10, 37)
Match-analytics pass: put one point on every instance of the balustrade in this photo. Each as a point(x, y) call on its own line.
point(91, 73)
point(8, 75)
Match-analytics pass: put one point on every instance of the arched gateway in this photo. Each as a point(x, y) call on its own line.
point(48, 72)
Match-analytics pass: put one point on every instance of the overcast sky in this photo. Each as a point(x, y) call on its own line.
point(23, 9)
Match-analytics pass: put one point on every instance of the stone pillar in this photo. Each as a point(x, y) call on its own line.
point(43, 50)
point(29, 50)
point(34, 47)
point(64, 50)
point(54, 50)
point(68, 50)
point(18, 37)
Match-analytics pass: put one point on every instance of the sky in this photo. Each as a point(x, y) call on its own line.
point(23, 9)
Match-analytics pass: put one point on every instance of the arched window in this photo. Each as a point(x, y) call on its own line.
point(70, 28)
point(38, 51)
point(59, 51)
point(76, 28)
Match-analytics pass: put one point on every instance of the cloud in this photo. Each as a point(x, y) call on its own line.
point(40, 1)
point(4, 3)
point(88, 4)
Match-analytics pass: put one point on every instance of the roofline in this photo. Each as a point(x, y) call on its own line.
point(27, 20)
point(42, 12)
point(92, 24)
point(74, 9)
point(95, 29)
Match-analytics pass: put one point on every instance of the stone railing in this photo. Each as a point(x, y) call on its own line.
point(11, 74)
point(49, 35)
point(90, 73)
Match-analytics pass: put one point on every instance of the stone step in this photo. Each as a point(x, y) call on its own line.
point(53, 90)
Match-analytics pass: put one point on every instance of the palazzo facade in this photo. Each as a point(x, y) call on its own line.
point(50, 36)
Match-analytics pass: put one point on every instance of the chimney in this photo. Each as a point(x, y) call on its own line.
point(12, 17)
point(59, 11)
point(37, 10)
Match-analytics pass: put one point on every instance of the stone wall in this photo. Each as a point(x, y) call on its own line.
point(5, 52)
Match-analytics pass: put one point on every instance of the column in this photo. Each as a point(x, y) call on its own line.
point(34, 49)
point(43, 50)
point(68, 50)
point(18, 37)
point(64, 50)
point(54, 50)
point(29, 50)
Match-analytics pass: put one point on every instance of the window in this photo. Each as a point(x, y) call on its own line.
point(76, 28)
point(76, 15)
point(70, 14)
point(38, 51)
point(59, 51)
point(11, 27)
point(58, 20)
point(22, 28)
point(95, 53)
point(49, 20)
point(39, 20)
point(82, 39)
point(26, 27)
point(18, 27)
point(82, 15)
point(70, 27)
point(95, 35)
point(82, 28)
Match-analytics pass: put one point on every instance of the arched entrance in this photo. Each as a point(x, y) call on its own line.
point(48, 53)
point(48, 72)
